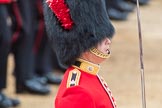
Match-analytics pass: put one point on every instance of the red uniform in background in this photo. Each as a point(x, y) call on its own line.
point(82, 87)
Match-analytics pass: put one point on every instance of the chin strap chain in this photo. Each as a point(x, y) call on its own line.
point(141, 58)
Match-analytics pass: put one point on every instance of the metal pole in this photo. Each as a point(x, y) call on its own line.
point(141, 58)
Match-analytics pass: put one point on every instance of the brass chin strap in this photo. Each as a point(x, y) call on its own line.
point(99, 53)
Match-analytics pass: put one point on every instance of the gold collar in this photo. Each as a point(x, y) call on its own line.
point(86, 66)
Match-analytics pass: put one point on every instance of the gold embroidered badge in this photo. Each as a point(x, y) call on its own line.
point(73, 78)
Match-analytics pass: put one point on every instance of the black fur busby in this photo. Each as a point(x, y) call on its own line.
point(91, 25)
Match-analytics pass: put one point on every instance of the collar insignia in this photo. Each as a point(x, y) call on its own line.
point(86, 66)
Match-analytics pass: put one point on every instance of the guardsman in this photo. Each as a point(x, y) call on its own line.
point(42, 49)
point(26, 79)
point(80, 33)
point(118, 9)
point(5, 45)
point(19, 16)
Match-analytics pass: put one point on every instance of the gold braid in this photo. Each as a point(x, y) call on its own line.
point(99, 53)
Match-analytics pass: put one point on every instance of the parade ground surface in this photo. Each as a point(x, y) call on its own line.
point(122, 70)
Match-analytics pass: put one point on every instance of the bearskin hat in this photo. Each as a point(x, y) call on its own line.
point(75, 26)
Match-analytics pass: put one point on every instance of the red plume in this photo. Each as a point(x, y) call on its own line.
point(61, 10)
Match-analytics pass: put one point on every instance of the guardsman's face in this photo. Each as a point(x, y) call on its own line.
point(103, 47)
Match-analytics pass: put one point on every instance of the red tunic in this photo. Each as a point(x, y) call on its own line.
point(83, 88)
point(5, 1)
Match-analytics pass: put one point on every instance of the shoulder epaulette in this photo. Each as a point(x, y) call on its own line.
point(73, 78)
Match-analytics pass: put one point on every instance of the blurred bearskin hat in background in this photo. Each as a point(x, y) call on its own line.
point(75, 26)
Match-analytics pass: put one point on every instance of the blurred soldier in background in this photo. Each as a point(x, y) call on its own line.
point(42, 49)
point(5, 46)
point(26, 80)
point(21, 41)
point(120, 9)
